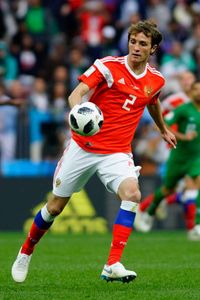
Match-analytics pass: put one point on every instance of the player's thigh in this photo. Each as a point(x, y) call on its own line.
point(174, 172)
point(194, 168)
point(115, 168)
point(73, 171)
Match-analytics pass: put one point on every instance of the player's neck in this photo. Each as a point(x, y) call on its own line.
point(137, 67)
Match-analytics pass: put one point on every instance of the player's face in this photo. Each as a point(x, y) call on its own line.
point(186, 81)
point(139, 48)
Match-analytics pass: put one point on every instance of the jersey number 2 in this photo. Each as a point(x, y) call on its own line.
point(129, 102)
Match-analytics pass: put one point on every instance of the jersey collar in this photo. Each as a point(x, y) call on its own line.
point(131, 71)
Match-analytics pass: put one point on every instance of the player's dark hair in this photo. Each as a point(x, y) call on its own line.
point(148, 28)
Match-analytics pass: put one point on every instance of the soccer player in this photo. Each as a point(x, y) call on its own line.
point(122, 87)
point(168, 104)
point(184, 162)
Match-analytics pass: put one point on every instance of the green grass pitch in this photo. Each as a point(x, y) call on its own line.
point(69, 266)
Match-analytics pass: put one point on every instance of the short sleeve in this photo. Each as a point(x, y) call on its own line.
point(92, 77)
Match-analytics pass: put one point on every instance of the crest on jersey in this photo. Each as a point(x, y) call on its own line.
point(58, 182)
point(148, 90)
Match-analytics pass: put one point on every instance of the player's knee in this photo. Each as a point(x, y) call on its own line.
point(133, 195)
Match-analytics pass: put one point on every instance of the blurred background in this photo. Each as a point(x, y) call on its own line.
point(44, 46)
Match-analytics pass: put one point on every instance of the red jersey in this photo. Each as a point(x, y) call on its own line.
point(122, 96)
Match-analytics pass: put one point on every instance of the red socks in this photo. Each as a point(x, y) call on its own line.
point(120, 237)
point(33, 238)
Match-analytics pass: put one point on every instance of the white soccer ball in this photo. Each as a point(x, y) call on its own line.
point(86, 119)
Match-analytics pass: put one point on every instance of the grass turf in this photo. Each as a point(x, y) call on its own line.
point(69, 267)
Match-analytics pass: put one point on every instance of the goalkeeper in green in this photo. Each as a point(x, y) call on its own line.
point(183, 162)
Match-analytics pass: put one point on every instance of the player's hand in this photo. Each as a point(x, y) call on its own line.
point(169, 137)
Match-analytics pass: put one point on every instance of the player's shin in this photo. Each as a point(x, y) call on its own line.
point(42, 221)
point(188, 199)
point(121, 230)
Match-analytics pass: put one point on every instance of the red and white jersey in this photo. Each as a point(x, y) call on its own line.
point(122, 96)
point(173, 101)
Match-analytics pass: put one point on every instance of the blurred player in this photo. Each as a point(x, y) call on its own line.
point(184, 162)
point(186, 79)
point(122, 86)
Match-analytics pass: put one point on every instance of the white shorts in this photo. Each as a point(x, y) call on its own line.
point(77, 166)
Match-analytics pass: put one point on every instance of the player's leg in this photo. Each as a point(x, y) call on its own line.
point(194, 233)
point(41, 223)
point(69, 177)
point(125, 185)
point(193, 183)
point(122, 229)
point(173, 173)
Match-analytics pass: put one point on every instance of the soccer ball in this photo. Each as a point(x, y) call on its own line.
point(86, 119)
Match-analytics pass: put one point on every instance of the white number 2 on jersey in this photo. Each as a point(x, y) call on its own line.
point(129, 101)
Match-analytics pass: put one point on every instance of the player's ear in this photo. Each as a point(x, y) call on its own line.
point(153, 49)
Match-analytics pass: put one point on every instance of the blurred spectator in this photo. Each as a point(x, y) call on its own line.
point(8, 64)
point(60, 74)
point(127, 9)
point(59, 105)
point(93, 17)
point(8, 122)
point(175, 62)
point(197, 59)
point(56, 133)
point(8, 25)
point(173, 32)
point(159, 12)
point(77, 65)
point(123, 42)
point(39, 112)
point(109, 46)
point(27, 57)
point(65, 14)
point(39, 21)
point(182, 13)
point(58, 54)
point(194, 40)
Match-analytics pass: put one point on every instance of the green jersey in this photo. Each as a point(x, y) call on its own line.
point(187, 117)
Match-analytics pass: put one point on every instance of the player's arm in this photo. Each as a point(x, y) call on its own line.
point(186, 137)
point(76, 96)
point(167, 135)
point(174, 117)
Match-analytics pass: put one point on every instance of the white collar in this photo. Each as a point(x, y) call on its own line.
point(131, 71)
